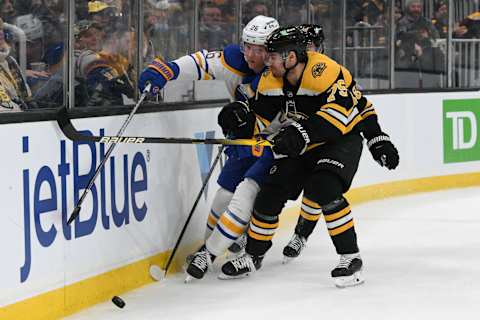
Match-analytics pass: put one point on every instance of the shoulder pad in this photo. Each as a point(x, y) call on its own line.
point(268, 85)
point(234, 58)
point(320, 73)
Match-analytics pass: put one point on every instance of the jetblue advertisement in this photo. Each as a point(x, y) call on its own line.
point(135, 209)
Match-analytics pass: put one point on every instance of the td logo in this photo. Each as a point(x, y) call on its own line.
point(461, 119)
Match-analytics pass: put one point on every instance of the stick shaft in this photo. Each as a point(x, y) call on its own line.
point(104, 160)
point(204, 185)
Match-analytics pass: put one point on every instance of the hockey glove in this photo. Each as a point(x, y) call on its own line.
point(291, 141)
point(158, 72)
point(236, 120)
point(383, 151)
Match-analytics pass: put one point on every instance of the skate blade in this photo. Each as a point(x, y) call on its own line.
point(349, 281)
point(189, 279)
point(287, 260)
point(223, 276)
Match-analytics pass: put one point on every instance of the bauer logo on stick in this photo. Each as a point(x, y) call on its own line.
point(108, 139)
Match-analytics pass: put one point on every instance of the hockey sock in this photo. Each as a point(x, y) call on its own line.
point(219, 205)
point(309, 215)
point(340, 226)
point(233, 222)
point(260, 234)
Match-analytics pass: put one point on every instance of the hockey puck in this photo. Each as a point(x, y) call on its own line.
point(118, 302)
point(156, 273)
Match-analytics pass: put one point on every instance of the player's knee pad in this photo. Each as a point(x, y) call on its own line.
point(219, 205)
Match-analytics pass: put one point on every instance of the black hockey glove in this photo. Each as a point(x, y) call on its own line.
point(291, 141)
point(236, 120)
point(383, 151)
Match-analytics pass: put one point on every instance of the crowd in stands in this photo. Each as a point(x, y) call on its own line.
point(33, 38)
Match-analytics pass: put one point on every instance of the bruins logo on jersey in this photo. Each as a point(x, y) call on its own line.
point(318, 69)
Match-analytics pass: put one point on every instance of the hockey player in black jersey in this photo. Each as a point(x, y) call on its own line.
point(318, 149)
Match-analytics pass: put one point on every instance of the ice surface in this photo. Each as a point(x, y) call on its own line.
point(421, 258)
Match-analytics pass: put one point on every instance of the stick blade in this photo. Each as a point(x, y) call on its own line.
point(75, 213)
point(156, 273)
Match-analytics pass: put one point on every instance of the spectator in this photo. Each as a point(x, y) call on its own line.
point(15, 93)
point(415, 37)
point(469, 28)
point(50, 91)
point(34, 32)
point(292, 12)
point(87, 35)
point(104, 15)
point(255, 8)
point(371, 11)
point(441, 18)
point(213, 33)
point(108, 74)
point(7, 10)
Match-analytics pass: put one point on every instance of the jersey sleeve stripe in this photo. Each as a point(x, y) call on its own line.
point(199, 58)
point(198, 68)
point(162, 68)
point(231, 69)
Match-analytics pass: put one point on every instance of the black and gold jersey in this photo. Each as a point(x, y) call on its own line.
point(327, 101)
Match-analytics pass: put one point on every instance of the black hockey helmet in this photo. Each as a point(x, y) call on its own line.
point(286, 39)
point(314, 35)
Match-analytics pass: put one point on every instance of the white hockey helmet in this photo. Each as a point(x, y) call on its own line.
point(258, 29)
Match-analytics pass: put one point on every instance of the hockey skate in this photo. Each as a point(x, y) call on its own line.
point(240, 267)
point(199, 264)
point(294, 247)
point(348, 272)
point(237, 248)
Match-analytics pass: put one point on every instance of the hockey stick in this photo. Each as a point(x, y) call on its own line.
point(71, 133)
point(199, 196)
point(78, 207)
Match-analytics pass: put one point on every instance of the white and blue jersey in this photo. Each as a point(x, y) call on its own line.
point(230, 66)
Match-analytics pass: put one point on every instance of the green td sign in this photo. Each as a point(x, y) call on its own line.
point(461, 135)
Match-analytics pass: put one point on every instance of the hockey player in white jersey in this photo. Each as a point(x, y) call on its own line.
point(246, 167)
